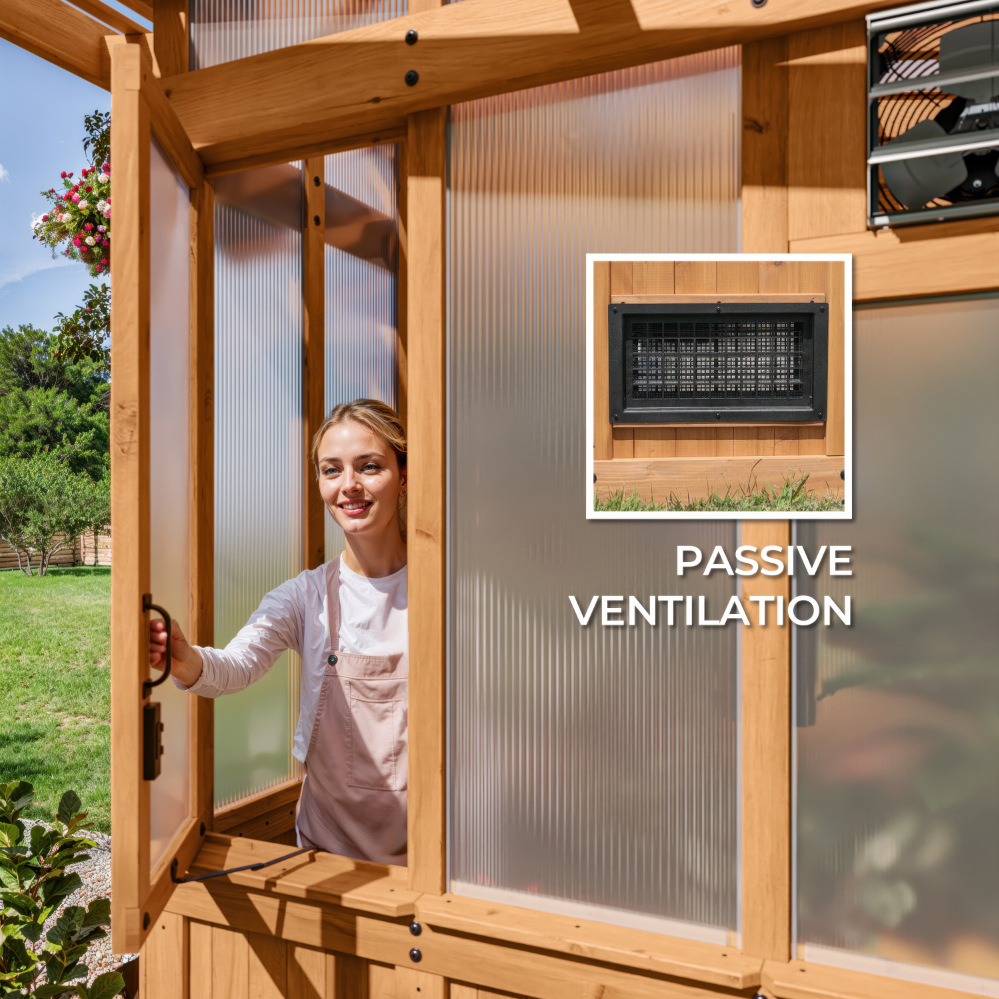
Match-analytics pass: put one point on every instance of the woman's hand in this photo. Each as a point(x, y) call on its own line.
point(187, 663)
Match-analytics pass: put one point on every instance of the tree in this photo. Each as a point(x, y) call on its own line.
point(40, 499)
point(98, 511)
point(85, 335)
point(45, 421)
point(31, 358)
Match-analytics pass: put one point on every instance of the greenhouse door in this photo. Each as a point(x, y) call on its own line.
point(161, 427)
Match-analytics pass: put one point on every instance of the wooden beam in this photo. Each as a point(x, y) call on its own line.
point(110, 16)
point(313, 352)
point(139, 7)
point(906, 262)
point(129, 497)
point(426, 189)
point(402, 292)
point(171, 36)
point(353, 82)
point(764, 146)
point(60, 34)
point(766, 758)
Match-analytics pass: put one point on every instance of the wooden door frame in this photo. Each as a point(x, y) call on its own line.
point(140, 110)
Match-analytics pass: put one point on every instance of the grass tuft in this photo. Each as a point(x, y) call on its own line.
point(55, 687)
point(792, 496)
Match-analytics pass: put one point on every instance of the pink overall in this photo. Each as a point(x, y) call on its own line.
point(354, 795)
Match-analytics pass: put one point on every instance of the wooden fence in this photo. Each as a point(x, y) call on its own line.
point(79, 553)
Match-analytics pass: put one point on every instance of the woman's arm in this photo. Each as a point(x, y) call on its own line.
point(276, 625)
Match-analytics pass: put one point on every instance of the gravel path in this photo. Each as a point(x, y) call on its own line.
point(95, 874)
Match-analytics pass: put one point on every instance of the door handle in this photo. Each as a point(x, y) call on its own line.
point(148, 605)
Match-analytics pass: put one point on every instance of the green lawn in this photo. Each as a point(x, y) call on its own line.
point(55, 687)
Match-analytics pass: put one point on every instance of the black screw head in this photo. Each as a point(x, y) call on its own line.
point(412, 37)
point(415, 928)
point(316, 181)
point(411, 78)
point(614, 311)
point(615, 416)
point(717, 416)
point(758, 3)
point(332, 660)
point(315, 218)
point(415, 956)
point(842, 474)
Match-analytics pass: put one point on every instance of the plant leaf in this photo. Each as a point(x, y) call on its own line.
point(98, 912)
point(106, 986)
point(10, 834)
point(69, 806)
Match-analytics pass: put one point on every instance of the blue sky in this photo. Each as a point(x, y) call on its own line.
point(41, 134)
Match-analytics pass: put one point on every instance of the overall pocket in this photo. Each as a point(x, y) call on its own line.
point(377, 734)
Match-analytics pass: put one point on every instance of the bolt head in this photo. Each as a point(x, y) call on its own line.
point(415, 955)
point(412, 36)
point(415, 928)
point(411, 78)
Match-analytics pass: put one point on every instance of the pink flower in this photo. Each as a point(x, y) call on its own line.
point(76, 197)
point(88, 226)
point(106, 167)
point(45, 218)
point(63, 175)
point(98, 268)
point(107, 212)
point(104, 262)
point(76, 241)
point(70, 174)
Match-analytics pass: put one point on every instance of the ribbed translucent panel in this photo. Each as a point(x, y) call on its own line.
point(361, 327)
point(224, 30)
point(169, 472)
point(258, 481)
point(898, 776)
point(587, 765)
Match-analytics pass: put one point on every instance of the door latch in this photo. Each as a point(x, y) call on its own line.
point(152, 740)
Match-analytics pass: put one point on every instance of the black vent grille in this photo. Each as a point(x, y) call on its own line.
point(755, 359)
point(727, 361)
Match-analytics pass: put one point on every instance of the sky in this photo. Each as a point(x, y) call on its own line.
point(41, 134)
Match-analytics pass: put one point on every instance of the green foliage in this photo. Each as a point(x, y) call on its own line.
point(46, 422)
point(84, 336)
point(40, 498)
point(33, 884)
point(30, 358)
point(55, 687)
point(97, 142)
point(792, 496)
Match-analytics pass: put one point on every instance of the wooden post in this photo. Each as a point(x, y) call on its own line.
point(202, 615)
point(402, 294)
point(313, 352)
point(764, 146)
point(129, 494)
point(171, 36)
point(425, 261)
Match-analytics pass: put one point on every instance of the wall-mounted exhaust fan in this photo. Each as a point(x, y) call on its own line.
point(934, 112)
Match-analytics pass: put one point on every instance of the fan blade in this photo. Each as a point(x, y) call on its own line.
point(968, 50)
point(916, 181)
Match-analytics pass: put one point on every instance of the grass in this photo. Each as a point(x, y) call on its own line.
point(792, 496)
point(55, 687)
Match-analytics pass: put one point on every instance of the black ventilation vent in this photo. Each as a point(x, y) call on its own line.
point(724, 362)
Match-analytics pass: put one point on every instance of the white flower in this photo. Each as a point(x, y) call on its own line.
point(101, 205)
point(107, 211)
point(83, 205)
point(90, 241)
point(102, 178)
point(102, 228)
point(65, 217)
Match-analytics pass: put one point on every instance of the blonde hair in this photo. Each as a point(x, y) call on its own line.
point(382, 420)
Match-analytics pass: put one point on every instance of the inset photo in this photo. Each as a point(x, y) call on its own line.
point(719, 386)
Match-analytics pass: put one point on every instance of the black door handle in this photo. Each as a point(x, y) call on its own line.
point(148, 605)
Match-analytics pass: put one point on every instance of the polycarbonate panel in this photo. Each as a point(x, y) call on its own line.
point(595, 765)
point(361, 324)
point(224, 30)
point(898, 775)
point(258, 482)
point(169, 472)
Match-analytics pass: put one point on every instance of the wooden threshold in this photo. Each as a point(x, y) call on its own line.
point(699, 477)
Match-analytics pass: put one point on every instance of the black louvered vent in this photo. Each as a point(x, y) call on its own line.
point(731, 362)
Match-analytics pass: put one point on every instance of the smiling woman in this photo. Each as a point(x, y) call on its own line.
point(347, 619)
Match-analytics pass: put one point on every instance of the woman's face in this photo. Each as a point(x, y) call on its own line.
point(359, 479)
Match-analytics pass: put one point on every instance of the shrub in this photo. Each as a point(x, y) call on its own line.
point(33, 884)
point(39, 499)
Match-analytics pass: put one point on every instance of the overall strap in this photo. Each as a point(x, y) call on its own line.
point(333, 601)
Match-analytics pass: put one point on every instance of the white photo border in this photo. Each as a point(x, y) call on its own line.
point(590, 493)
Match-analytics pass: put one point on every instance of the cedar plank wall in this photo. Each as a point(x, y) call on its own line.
point(708, 277)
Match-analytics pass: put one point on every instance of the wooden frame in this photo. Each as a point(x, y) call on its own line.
point(139, 109)
point(799, 66)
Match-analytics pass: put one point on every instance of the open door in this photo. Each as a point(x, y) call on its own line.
point(160, 487)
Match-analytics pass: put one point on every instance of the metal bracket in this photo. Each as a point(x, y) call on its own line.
point(234, 870)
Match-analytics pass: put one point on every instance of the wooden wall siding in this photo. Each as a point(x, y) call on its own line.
point(80, 553)
point(626, 278)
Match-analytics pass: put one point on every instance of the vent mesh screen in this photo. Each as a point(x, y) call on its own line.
point(758, 359)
